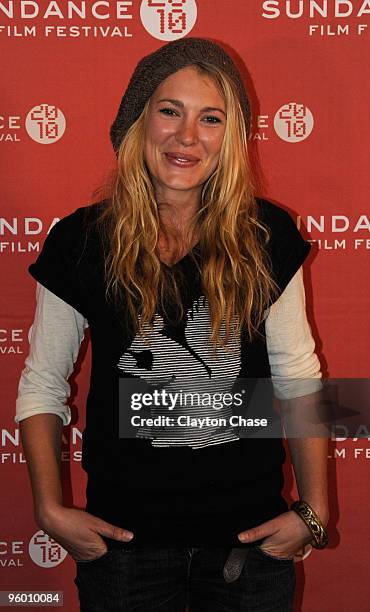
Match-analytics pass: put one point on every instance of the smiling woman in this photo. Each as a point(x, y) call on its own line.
point(182, 148)
point(191, 104)
point(188, 282)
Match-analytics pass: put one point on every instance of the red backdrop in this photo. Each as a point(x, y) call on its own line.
point(64, 73)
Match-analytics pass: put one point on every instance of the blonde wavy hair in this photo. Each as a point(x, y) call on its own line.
point(235, 269)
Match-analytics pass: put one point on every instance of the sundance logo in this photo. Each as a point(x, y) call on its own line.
point(29, 19)
point(45, 123)
point(11, 553)
point(10, 443)
point(30, 9)
point(11, 341)
point(294, 9)
point(44, 551)
point(328, 227)
point(168, 19)
point(324, 17)
point(293, 122)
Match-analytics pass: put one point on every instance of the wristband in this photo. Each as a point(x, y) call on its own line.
point(320, 536)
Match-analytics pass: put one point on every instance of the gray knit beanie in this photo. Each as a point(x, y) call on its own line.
point(154, 68)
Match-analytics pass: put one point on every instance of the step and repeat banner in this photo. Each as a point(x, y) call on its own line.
point(65, 66)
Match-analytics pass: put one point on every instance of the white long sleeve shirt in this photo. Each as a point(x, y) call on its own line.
point(58, 331)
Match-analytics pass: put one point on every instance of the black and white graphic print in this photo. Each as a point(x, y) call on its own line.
point(186, 363)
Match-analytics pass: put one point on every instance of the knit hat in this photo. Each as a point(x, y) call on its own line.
point(154, 68)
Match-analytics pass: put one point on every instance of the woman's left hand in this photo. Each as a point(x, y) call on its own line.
point(285, 536)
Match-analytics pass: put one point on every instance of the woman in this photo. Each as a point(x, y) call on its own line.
point(183, 276)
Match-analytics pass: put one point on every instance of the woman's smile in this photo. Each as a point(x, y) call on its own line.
point(181, 160)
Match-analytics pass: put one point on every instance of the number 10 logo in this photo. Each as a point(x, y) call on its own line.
point(293, 122)
point(168, 19)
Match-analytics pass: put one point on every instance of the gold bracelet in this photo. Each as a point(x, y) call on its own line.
point(320, 536)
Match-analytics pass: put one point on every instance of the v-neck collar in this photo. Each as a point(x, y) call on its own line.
point(185, 258)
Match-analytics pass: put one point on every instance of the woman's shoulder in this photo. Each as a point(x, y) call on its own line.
point(83, 216)
point(77, 232)
point(273, 214)
point(74, 237)
point(281, 223)
point(286, 246)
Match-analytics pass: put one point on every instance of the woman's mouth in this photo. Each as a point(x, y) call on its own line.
point(181, 160)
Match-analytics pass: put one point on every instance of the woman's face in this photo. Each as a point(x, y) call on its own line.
point(184, 131)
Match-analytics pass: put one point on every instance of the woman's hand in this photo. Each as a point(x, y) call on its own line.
point(78, 531)
point(284, 536)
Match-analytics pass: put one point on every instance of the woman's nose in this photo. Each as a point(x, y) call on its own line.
point(187, 132)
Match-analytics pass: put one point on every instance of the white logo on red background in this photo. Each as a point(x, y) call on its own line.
point(45, 123)
point(336, 18)
point(168, 19)
point(293, 122)
point(44, 551)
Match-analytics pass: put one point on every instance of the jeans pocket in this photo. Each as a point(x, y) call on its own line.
point(95, 559)
point(273, 557)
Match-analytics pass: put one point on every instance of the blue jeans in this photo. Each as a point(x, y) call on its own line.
point(171, 579)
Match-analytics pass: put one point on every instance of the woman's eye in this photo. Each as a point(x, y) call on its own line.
point(171, 112)
point(168, 111)
point(212, 119)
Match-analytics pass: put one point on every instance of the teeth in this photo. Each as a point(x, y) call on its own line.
point(183, 159)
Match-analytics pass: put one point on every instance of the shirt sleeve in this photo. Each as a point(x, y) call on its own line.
point(55, 339)
point(287, 248)
point(295, 367)
point(57, 266)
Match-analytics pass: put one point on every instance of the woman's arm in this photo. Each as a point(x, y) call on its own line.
point(41, 437)
point(309, 458)
point(296, 377)
point(41, 410)
point(41, 406)
point(295, 371)
point(55, 339)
